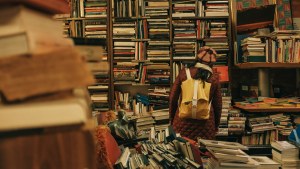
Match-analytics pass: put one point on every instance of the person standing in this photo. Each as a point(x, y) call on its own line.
point(202, 71)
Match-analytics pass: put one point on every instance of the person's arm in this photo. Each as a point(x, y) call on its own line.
point(174, 96)
point(217, 103)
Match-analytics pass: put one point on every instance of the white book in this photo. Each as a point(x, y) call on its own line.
point(27, 31)
point(265, 162)
point(42, 114)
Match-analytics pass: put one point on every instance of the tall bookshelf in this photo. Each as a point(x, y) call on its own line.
point(149, 41)
point(89, 25)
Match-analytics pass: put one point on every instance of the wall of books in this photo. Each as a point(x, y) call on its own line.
point(148, 43)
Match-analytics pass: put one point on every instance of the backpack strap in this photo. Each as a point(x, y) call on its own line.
point(195, 99)
point(188, 73)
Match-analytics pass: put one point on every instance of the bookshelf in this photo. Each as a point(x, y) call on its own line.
point(152, 40)
point(269, 109)
point(88, 24)
point(268, 65)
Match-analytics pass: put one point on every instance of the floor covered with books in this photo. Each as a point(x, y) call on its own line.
point(165, 149)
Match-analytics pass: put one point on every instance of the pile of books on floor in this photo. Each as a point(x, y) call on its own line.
point(258, 124)
point(144, 122)
point(40, 72)
point(227, 155)
point(223, 127)
point(162, 150)
point(286, 154)
point(282, 123)
point(161, 118)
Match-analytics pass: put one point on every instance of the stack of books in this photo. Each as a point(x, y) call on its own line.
point(253, 50)
point(283, 124)
point(159, 96)
point(227, 155)
point(161, 118)
point(236, 122)
point(156, 8)
point(286, 154)
point(265, 162)
point(93, 8)
point(124, 30)
point(159, 35)
point(184, 8)
point(158, 73)
point(184, 44)
point(40, 72)
point(144, 123)
point(184, 29)
point(124, 50)
point(258, 124)
point(223, 127)
point(125, 71)
point(95, 28)
point(216, 8)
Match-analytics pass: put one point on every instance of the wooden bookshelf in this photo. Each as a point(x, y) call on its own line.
point(269, 109)
point(150, 25)
point(201, 18)
point(268, 65)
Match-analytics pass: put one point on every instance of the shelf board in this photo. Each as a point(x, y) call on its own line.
point(88, 18)
point(140, 61)
point(131, 84)
point(131, 39)
point(213, 39)
point(191, 59)
point(267, 65)
point(200, 18)
point(159, 60)
point(268, 109)
point(140, 18)
point(185, 39)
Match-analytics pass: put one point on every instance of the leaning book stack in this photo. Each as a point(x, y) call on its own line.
point(41, 68)
point(236, 122)
point(227, 155)
point(286, 154)
point(43, 89)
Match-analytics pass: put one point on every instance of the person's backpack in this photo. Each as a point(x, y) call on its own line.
point(195, 102)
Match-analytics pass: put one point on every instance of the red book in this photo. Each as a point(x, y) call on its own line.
point(223, 73)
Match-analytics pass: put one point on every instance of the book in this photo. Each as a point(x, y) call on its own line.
point(47, 113)
point(26, 31)
point(122, 162)
point(222, 144)
point(229, 156)
point(51, 7)
point(265, 162)
point(27, 76)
